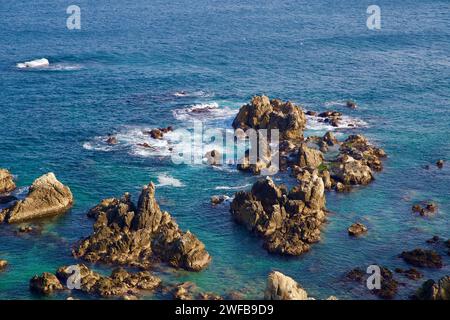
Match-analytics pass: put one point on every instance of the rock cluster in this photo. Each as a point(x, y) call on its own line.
point(287, 221)
point(6, 181)
point(126, 234)
point(119, 283)
point(46, 197)
point(158, 133)
point(263, 113)
point(189, 291)
point(425, 208)
point(422, 258)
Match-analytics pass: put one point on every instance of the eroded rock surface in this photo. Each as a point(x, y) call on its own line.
point(126, 234)
point(288, 221)
point(7, 183)
point(46, 197)
point(281, 287)
point(432, 290)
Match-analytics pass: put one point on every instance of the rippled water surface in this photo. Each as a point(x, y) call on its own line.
point(120, 74)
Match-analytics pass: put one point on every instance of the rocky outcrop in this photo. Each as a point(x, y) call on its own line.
point(309, 157)
point(425, 208)
point(357, 229)
point(46, 283)
point(6, 181)
point(359, 148)
point(422, 258)
point(432, 290)
point(281, 287)
point(352, 172)
point(46, 197)
point(158, 133)
point(120, 283)
point(263, 113)
point(288, 221)
point(125, 234)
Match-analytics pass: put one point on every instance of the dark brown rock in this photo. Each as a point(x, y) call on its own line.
point(422, 258)
point(357, 229)
point(440, 164)
point(412, 273)
point(432, 290)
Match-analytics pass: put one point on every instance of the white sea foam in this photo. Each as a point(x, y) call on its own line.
point(199, 94)
point(334, 103)
point(166, 180)
point(233, 187)
point(315, 123)
point(38, 63)
point(203, 111)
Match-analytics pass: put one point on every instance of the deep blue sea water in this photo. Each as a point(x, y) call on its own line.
point(119, 73)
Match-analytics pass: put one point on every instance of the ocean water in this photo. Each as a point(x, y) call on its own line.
point(120, 74)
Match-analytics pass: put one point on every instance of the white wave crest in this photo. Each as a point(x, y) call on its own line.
point(315, 123)
point(38, 63)
point(166, 180)
point(233, 187)
point(203, 111)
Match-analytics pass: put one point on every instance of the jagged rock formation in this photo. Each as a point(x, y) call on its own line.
point(126, 234)
point(6, 181)
point(46, 197)
point(288, 222)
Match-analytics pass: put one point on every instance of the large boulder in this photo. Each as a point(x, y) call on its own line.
point(309, 157)
point(6, 181)
point(281, 287)
point(287, 221)
point(432, 290)
point(263, 113)
point(129, 234)
point(46, 197)
point(350, 171)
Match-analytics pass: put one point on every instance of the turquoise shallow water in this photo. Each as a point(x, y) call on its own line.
point(120, 72)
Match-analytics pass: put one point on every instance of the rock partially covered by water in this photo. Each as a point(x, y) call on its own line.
point(189, 291)
point(46, 283)
point(422, 258)
point(388, 288)
point(263, 113)
point(359, 148)
point(288, 222)
point(350, 171)
point(6, 181)
point(3, 264)
point(46, 197)
point(126, 234)
point(357, 229)
point(119, 283)
point(281, 287)
point(432, 290)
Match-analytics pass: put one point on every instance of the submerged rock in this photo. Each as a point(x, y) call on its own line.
point(281, 287)
point(112, 140)
point(388, 288)
point(288, 222)
point(46, 197)
point(412, 273)
point(357, 229)
point(263, 113)
point(432, 290)
point(126, 234)
point(422, 258)
point(6, 181)
point(189, 291)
